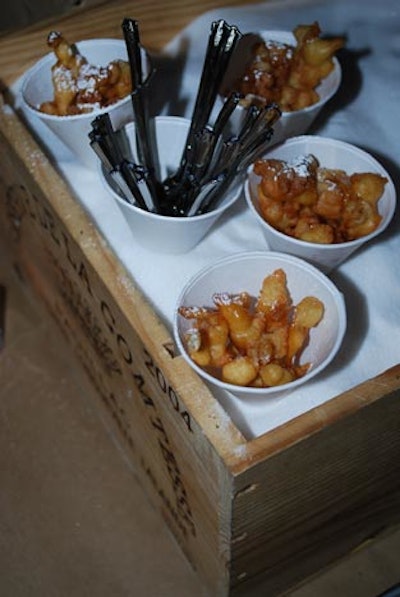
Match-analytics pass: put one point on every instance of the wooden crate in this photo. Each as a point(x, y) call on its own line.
point(268, 512)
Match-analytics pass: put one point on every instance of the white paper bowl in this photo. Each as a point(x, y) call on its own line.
point(245, 272)
point(330, 153)
point(73, 130)
point(159, 233)
point(290, 124)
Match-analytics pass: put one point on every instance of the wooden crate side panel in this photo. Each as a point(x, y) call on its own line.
point(306, 562)
point(314, 501)
point(127, 356)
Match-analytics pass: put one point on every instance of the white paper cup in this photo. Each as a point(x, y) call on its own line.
point(330, 153)
point(73, 131)
point(159, 233)
point(290, 124)
point(245, 272)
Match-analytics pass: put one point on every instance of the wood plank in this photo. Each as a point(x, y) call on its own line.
point(318, 498)
point(316, 420)
point(159, 22)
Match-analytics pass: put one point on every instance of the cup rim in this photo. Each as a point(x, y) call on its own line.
point(49, 59)
point(392, 195)
point(335, 74)
point(159, 217)
point(281, 257)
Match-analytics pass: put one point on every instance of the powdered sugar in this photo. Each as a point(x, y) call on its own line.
point(276, 45)
point(301, 165)
point(82, 82)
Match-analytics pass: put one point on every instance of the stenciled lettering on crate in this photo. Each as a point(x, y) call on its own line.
point(88, 317)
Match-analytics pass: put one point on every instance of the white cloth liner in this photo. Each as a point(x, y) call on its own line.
point(365, 112)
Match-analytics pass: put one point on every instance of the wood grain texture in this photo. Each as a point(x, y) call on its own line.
point(321, 496)
point(159, 22)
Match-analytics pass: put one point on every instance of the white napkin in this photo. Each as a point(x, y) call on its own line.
point(365, 113)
